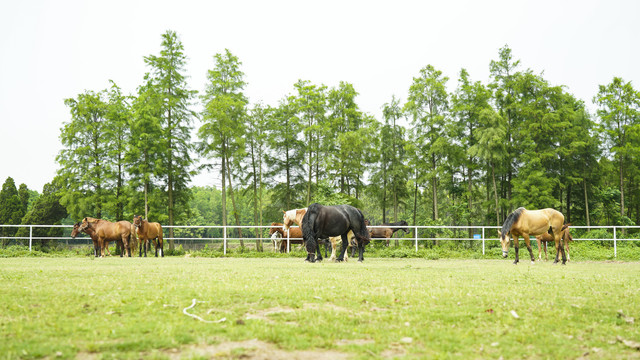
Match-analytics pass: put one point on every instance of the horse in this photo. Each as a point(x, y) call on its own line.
point(293, 216)
point(523, 222)
point(277, 232)
point(545, 238)
point(108, 231)
point(334, 244)
point(94, 237)
point(148, 231)
point(387, 232)
point(326, 221)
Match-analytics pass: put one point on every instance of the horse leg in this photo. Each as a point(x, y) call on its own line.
point(516, 247)
point(539, 249)
point(333, 249)
point(527, 242)
point(566, 243)
point(311, 245)
point(343, 248)
point(360, 251)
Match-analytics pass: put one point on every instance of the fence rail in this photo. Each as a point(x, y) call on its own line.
point(481, 236)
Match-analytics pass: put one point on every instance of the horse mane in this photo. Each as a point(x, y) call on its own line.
point(511, 219)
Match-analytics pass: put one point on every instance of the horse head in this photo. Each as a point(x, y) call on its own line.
point(404, 223)
point(86, 223)
point(76, 230)
point(504, 241)
point(137, 220)
point(288, 218)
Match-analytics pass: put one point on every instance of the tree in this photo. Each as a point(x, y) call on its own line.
point(223, 121)
point(144, 156)
point(47, 210)
point(11, 208)
point(170, 84)
point(427, 105)
point(619, 111)
point(505, 76)
point(117, 130)
point(85, 157)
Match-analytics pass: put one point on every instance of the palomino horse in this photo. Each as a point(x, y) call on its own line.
point(94, 237)
point(387, 232)
point(148, 231)
point(334, 244)
point(326, 221)
point(278, 235)
point(545, 238)
point(107, 231)
point(523, 222)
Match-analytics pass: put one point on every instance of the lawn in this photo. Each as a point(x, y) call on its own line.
point(283, 308)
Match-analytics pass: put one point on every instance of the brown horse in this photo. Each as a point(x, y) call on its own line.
point(387, 232)
point(523, 222)
point(94, 237)
point(107, 231)
point(545, 238)
point(278, 234)
point(148, 231)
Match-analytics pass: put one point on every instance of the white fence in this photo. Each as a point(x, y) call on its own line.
point(479, 234)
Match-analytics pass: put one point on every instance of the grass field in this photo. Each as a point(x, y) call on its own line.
point(286, 309)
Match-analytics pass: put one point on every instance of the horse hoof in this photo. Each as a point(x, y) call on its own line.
point(533, 262)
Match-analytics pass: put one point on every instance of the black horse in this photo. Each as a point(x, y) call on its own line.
point(323, 221)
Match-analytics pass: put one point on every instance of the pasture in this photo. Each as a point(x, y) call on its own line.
point(283, 308)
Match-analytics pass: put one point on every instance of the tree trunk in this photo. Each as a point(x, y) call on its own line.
point(233, 202)
point(586, 201)
point(170, 181)
point(495, 193)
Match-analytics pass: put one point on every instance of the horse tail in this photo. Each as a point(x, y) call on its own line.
point(511, 219)
point(363, 234)
point(308, 232)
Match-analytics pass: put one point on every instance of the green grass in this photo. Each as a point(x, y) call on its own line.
point(386, 308)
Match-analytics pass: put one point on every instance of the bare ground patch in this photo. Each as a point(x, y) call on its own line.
point(251, 349)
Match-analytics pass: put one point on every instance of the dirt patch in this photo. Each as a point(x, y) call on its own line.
point(251, 349)
point(264, 314)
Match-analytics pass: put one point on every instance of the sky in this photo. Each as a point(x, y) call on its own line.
point(54, 50)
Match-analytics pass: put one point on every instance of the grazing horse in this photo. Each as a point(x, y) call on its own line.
point(545, 238)
point(523, 222)
point(387, 232)
point(278, 235)
point(148, 231)
point(326, 221)
point(108, 231)
point(94, 237)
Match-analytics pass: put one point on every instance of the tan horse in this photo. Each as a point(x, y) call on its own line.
point(148, 231)
point(338, 239)
point(278, 235)
point(523, 222)
point(545, 238)
point(107, 231)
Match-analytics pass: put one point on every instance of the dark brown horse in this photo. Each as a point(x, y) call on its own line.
point(279, 235)
point(387, 232)
point(545, 238)
point(107, 231)
point(148, 231)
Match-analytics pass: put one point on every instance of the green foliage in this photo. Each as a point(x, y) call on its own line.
point(12, 208)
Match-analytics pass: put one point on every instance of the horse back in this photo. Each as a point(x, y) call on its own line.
point(538, 222)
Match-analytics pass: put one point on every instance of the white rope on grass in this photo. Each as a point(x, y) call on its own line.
point(184, 311)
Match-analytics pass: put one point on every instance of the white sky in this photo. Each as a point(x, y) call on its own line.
point(52, 50)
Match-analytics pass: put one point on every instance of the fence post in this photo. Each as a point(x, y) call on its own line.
point(415, 235)
point(615, 246)
point(30, 236)
point(224, 239)
point(288, 243)
point(483, 241)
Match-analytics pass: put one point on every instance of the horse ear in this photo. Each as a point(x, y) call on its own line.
point(284, 212)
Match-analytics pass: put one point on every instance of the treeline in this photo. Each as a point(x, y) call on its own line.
point(468, 157)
